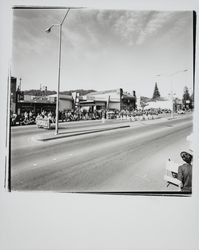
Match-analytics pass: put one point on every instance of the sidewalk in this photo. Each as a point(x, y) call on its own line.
point(65, 132)
point(68, 132)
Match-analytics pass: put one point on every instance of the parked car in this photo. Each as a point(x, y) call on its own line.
point(180, 112)
point(111, 115)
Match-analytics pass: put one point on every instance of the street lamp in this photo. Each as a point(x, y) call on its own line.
point(172, 103)
point(48, 30)
point(172, 93)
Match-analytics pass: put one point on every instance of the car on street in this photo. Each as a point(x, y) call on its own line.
point(111, 115)
point(181, 112)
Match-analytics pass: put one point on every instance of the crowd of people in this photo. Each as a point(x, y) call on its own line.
point(25, 118)
point(108, 114)
point(29, 117)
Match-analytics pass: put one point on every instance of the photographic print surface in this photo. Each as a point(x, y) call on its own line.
point(101, 100)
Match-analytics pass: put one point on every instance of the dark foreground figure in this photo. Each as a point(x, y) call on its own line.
point(185, 172)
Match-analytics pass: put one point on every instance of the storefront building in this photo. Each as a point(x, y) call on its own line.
point(108, 100)
point(21, 103)
point(115, 100)
point(37, 104)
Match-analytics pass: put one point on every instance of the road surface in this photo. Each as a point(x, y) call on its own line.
point(125, 160)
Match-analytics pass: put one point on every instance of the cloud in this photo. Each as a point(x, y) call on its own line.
point(128, 25)
point(86, 32)
point(155, 24)
point(136, 28)
point(29, 29)
point(92, 29)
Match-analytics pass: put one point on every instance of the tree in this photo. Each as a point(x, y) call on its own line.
point(156, 93)
point(186, 99)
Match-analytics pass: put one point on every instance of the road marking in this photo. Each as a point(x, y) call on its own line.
point(34, 164)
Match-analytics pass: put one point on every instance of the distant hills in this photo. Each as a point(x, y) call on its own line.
point(80, 91)
point(38, 92)
point(147, 99)
point(144, 99)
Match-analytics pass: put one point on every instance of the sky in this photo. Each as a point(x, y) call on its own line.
point(104, 49)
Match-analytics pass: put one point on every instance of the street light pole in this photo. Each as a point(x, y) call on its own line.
point(172, 103)
point(58, 83)
point(59, 69)
point(172, 93)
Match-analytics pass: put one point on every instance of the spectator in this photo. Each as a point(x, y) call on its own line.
point(43, 113)
point(26, 115)
point(14, 117)
point(30, 114)
point(185, 172)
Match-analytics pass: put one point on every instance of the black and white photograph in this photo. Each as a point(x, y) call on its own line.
point(101, 100)
point(99, 125)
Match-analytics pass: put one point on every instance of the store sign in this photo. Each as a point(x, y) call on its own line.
point(90, 97)
point(39, 98)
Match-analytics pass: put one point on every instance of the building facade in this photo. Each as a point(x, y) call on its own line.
point(115, 100)
point(109, 100)
point(13, 95)
point(37, 104)
point(21, 103)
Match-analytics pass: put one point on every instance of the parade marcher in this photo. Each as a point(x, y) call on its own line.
point(14, 117)
point(43, 113)
point(185, 172)
point(26, 115)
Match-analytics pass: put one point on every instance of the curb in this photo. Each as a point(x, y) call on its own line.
point(60, 136)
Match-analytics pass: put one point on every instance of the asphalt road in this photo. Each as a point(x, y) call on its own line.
point(125, 160)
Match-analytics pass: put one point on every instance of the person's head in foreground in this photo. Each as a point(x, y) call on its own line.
point(187, 157)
